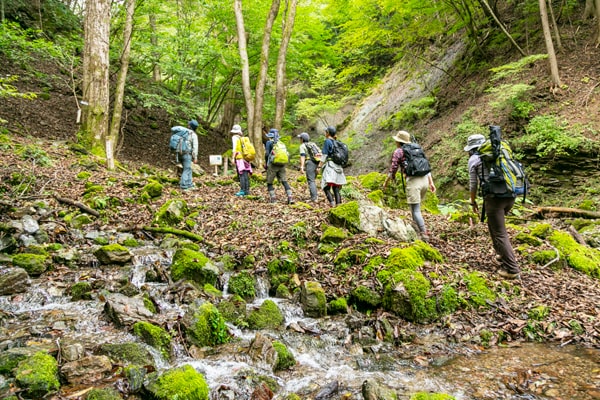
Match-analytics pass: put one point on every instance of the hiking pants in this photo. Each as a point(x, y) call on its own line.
point(311, 175)
point(186, 176)
point(245, 181)
point(496, 208)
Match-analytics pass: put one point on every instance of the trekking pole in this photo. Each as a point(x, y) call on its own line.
point(483, 212)
point(403, 186)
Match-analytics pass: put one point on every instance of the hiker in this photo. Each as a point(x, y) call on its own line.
point(416, 185)
point(275, 166)
point(243, 167)
point(333, 177)
point(186, 182)
point(495, 207)
point(310, 155)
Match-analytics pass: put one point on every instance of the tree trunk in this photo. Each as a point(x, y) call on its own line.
point(229, 112)
point(597, 12)
point(95, 75)
point(487, 7)
point(554, 26)
point(243, 49)
point(588, 11)
point(154, 43)
point(280, 86)
point(113, 136)
point(549, 44)
point(259, 92)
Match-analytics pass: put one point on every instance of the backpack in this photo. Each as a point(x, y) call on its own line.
point(507, 177)
point(181, 141)
point(247, 149)
point(339, 154)
point(279, 155)
point(313, 152)
point(415, 161)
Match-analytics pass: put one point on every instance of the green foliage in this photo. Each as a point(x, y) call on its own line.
point(285, 359)
point(479, 291)
point(8, 90)
point(516, 67)
point(509, 98)
point(153, 335)
point(38, 375)
point(410, 113)
point(431, 396)
point(182, 383)
point(552, 137)
point(242, 284)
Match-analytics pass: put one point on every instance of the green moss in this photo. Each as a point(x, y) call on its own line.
point(149, 304)
point(283, 292)
point(372, 181)
point(128, 353)
point(337, 306)
point(131, 242)
point(293, 396)
point(242, 284)
point(103, 394)
point(313, 299)
point(38, 375)
point(84, 175)
point(135, 375)
point(365, 299)
point(207, 327)
point(447, 300)
point(182, 383)
point(346, 215)
point(154, 336)
point(543, 257)
point(283, 265)
point(579, 257)
point(34, 264)
point(405, 258)
point(428, 252)
point(349, 257)
point(9, 359)
point(431, 396)
point(332, 234)
point(153, 189)
point(101, 240)
point(267, 316)
point(485, 337)
point(407, 296)
point(171, 213)
point(463, 217)
point(529, 239)
point(576, 327)
point(479, 292)
point(541, 230)
point(285, 359)
point(194, 266)
point(212, 291)
point(233, 310)
point(81, 291)
point(377, 197)
point(538, 313)
point(373, 264)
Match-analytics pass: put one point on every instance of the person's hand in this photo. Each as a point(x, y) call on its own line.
point(432, 188)
point(475, 207)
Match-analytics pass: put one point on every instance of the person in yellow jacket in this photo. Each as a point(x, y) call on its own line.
point(243, 167)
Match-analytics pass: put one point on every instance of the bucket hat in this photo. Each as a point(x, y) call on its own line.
point(236, 129)
point(402, 137)
point(474, 141)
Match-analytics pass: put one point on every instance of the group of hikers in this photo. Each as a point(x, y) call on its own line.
point(418, 180)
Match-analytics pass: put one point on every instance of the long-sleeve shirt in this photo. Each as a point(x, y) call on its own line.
point(396, 164)
point(194, 146)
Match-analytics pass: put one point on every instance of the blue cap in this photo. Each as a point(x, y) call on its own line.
point(272, 133)
point(193, 124)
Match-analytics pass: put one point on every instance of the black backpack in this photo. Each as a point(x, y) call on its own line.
point(415, 161)
point(339, 154)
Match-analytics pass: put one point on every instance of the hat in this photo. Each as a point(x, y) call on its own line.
point(193, 124)
point(474, 141)
point(331, 130)
point(304, 136)
point(272, 133)
point(236, 129)
point(402, 137)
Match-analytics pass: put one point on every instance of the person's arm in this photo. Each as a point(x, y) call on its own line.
point(431, 184)
point(474, 165)
point(394, 166)
point(302, 156)
point(327, 147)
point(195, 147)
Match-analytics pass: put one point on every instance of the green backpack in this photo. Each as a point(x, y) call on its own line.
point(279, 155)
point(507, 177)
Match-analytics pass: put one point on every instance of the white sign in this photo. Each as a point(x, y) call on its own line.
point(216, 160)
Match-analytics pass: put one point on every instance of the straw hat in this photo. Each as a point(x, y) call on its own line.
point(402, 137)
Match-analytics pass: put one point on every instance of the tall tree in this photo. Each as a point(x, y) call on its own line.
point(280, 78)
point(549, 44)
point(95, 76)
point(113, 136)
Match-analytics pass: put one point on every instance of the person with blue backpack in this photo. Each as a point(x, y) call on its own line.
point(188, 154)
point(496, 207)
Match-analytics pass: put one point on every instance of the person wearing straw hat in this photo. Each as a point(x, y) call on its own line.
point(416, 186)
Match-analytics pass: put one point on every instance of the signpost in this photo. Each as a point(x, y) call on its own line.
point(216, 161)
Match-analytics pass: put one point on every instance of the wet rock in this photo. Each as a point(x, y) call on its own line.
point(72, 352)
point(13, 280)
point(113, 254)
point(314, 302)
point(328, 391)
point(262, 392)
point(373, 390)
point(262, 351)
point(87, 370)
point(30, 225)
point(126, 311)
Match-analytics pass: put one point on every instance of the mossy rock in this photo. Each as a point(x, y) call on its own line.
point(431, 396)
point(103, 394)
point(349, 257)
point(580, 257)
point(80, 220)
point(212, 291)
point(233, 310)
point(541, 231)
point(153, 189)
point(529, 239)
point(113, 254)
point(281, 265)
point(267, 316)
point(34, 264)
point(135, 375)
point(377, 197)
point(407, 295)
point(171, 213)
point(372, 181)
point(479, 291)
point(313, 300)
point(337, 306)
point(195, 266)
point(346, 215)
point(129, 353)
point(428, 252)
point(154, 336)
point(10, 358)
point(447, 300)
point(81, 291)
point(285, 358)
point(283, 292)
point(543, 257)
point(365, 299)
point(404, 258)
point(205, 326)
point(182, 383)
point(38, 375)
point(242, 284)
point(333, 234)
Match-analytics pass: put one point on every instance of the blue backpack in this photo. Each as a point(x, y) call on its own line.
point(180, 141)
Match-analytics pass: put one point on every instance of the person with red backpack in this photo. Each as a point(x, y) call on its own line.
point(410, 159)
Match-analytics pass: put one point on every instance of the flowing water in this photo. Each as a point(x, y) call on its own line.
point(326, 356)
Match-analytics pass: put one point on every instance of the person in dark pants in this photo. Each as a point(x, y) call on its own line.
point(310, 155)
point(275, 171)
point(495, 208)
point(333, 177)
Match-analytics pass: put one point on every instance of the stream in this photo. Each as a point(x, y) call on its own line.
point(331, 363)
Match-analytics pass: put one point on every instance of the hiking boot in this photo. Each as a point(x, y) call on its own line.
point(425, 236)
point(507, 275)
point(290, 200)
point(332, 203)
point(240, 193)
